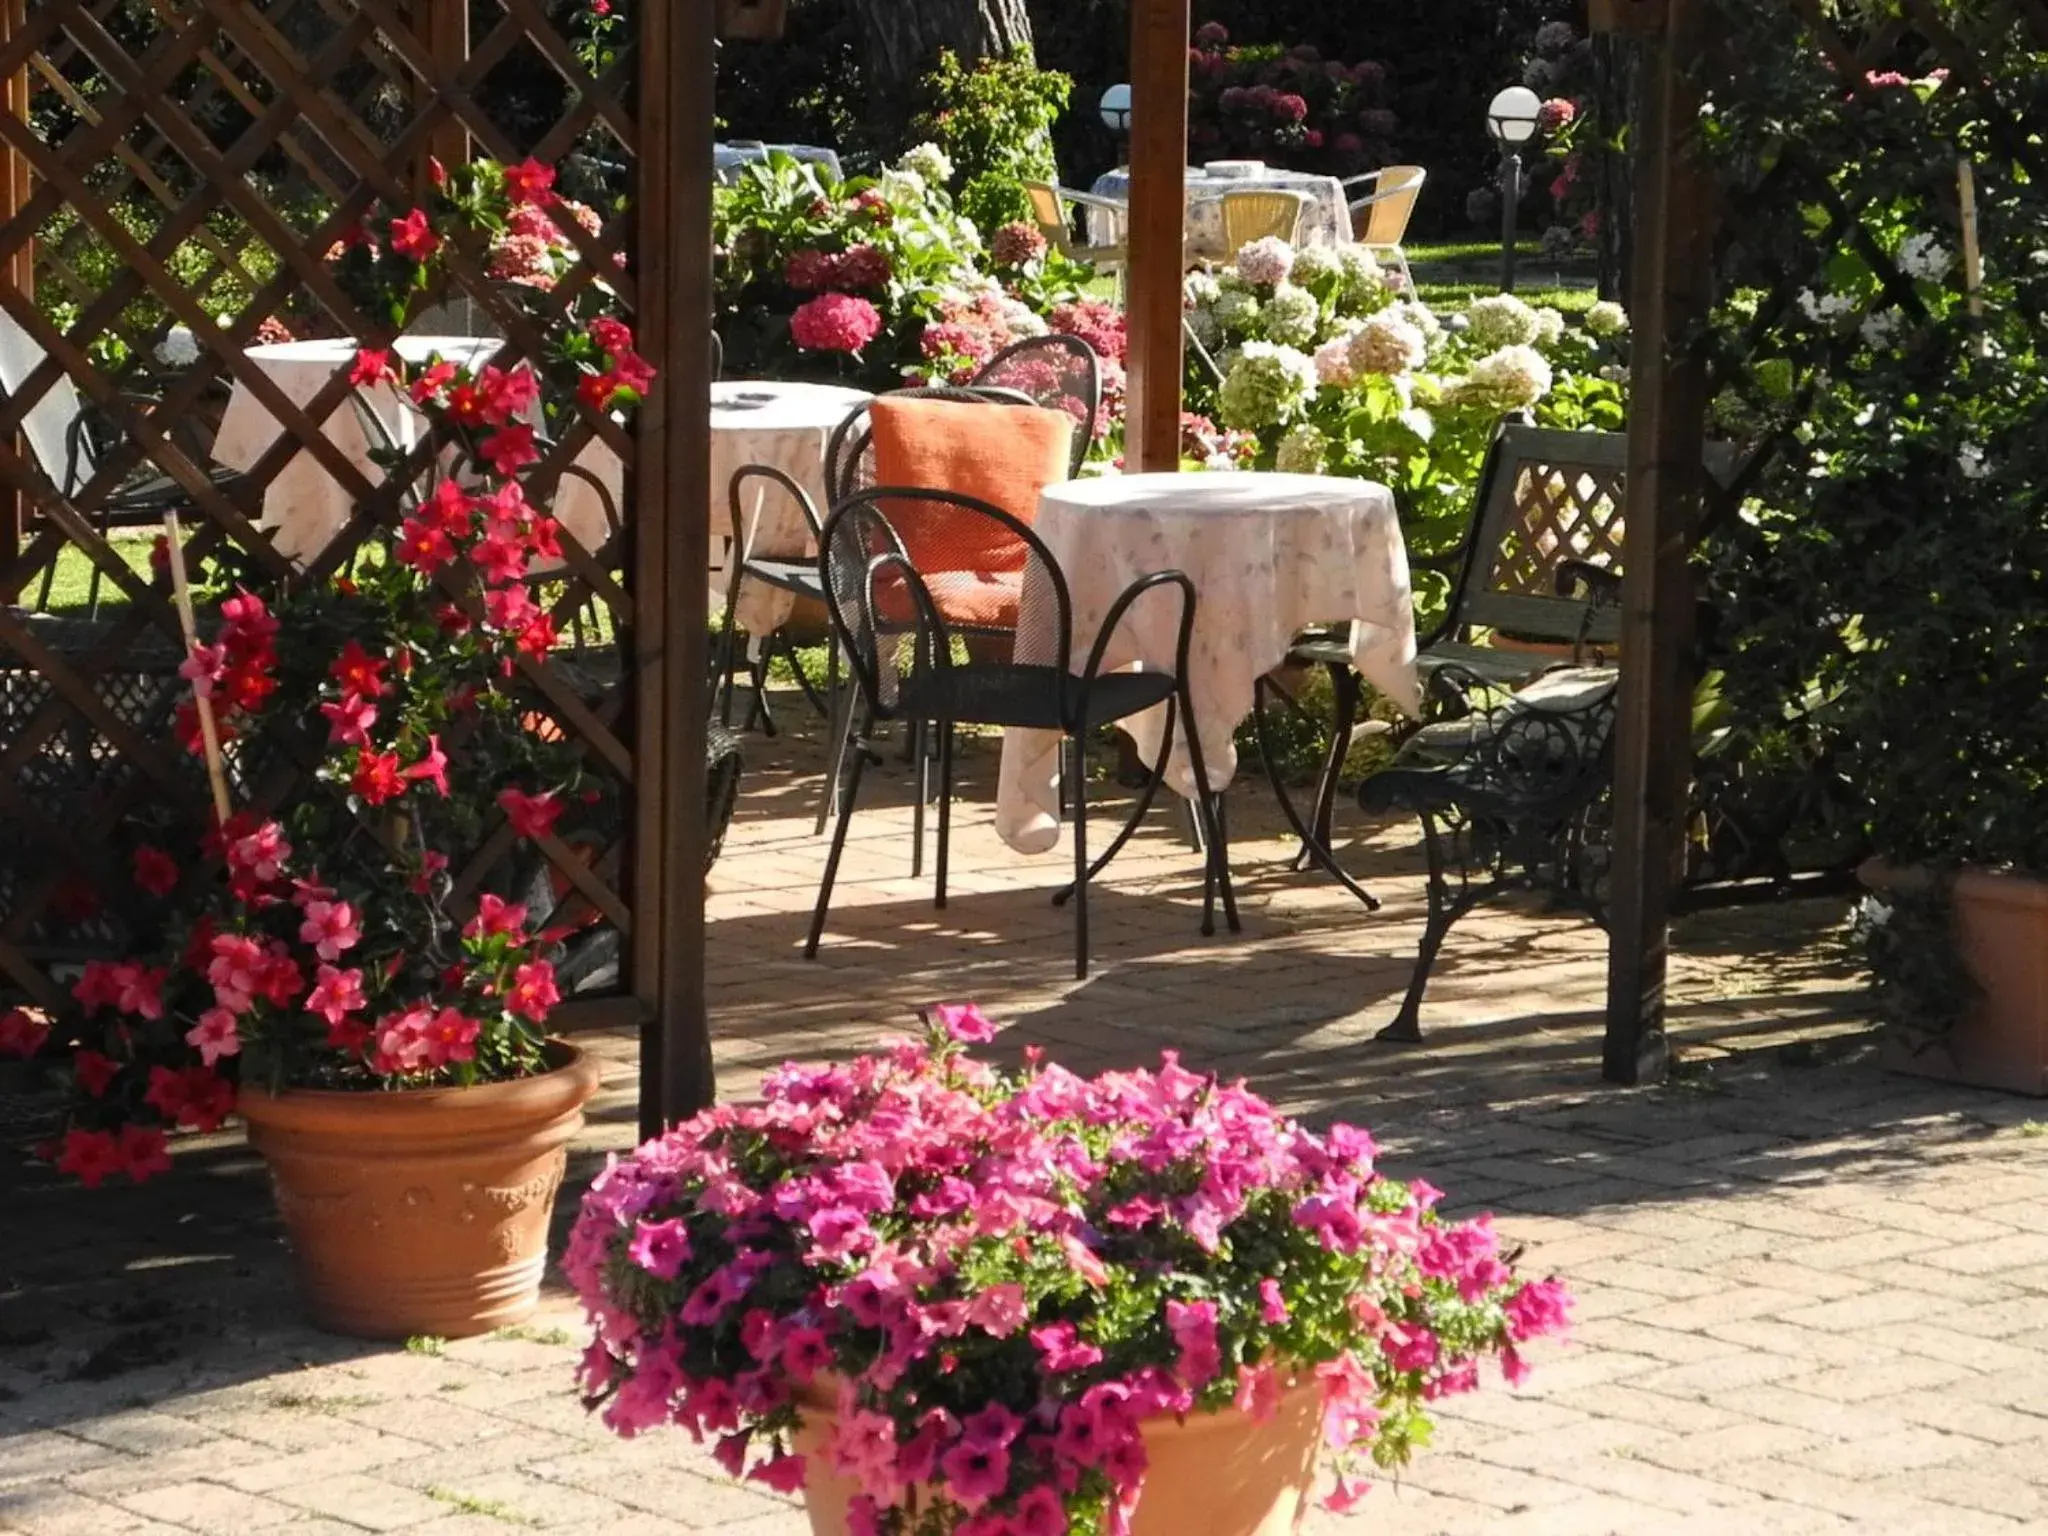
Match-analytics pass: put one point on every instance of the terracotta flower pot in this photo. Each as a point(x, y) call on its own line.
point(423, 1212)
point(2001, 935)
point(1215, 1474)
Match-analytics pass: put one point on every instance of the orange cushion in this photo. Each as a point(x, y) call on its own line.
point(1001, 454)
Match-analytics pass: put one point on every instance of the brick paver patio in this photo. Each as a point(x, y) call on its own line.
point(1813, 1296)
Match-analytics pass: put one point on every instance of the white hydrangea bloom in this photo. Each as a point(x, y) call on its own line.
point(1388, 344)
point(1266, 263)
point(1333, 360)
point(1365, 286)
point(179, 348)
point(1265, 386)
point(929, 162)
point(1237, 310)
point(1607, 318)
point(1200, 288)
point(1880, 329)
point(1293, 316)
point(1513, 377)
point(1221, 463)
point(1501, 320)
point(1924, 258)
point(1826, 307)
point(1549, 326)
point(1301, 451)
point(1421, 316)
point(1971, 461)
point(1314, 263)
point(900, 186)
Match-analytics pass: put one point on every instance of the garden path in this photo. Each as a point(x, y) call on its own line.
point(1813, 1297)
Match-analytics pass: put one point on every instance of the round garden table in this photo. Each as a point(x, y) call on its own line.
point(1269, 555)
point(1326, 220)
point(304, 507)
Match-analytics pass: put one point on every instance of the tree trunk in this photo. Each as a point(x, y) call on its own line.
point(904, 38)
point(1616, 99)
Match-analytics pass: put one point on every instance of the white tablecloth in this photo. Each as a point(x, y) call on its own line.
point(727, 159)
point(1326, 221)
point(786, 427)
point(1269, 555)
point(305, 506)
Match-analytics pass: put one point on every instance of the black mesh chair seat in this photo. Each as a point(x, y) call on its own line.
point(789, 574)
point(1033, 698)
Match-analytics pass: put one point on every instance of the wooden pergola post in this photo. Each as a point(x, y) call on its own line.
point(18, 271)
point(1667, 419)
point(671, 520)
point(1159, 152)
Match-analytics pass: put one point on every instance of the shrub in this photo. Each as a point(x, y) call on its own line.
point(994, 122)
point(1288, 106)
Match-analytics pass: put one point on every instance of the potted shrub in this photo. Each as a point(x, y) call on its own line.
point(936, 1298)
point(368, 979)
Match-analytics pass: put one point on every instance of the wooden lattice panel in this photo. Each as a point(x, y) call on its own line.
point(1561, 512)
point(192, 163)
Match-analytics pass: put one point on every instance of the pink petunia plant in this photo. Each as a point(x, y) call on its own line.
point(985, 1285)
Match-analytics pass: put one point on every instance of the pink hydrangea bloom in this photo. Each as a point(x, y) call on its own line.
point(835, 322)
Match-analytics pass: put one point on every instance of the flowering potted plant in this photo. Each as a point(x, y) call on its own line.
point(936, 1298)
point(370, 981)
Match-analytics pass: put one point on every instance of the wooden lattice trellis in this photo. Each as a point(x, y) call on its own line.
point(1694, 236)
point(193, 163)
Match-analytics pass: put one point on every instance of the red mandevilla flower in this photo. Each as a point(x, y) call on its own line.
point(425, 631)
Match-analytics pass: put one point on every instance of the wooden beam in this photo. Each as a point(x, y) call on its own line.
point(672, 511)
point(18, 272)
point(1667, 418)
point(1159, 155)
point(444, 32)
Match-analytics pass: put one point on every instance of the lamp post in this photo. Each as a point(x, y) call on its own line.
point(1116, 111)
point(1511, 117)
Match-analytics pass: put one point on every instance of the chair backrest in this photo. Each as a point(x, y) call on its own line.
point(62, 452)
point(897, 598)
point(1057, 371)
point(1544, 497)
point(1049, 211)
point(1385, 220)
point(850, 451)
point(1259, 213)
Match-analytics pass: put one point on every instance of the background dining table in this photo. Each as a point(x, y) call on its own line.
point(304, 507)
point(1269, 556)
point(785, 426)
point(1326, 220)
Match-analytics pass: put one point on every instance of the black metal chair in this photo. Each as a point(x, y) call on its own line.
point(1057, 371)
point(849, 463)
point(898, 602)
point(1547, 502)
point(73, 441)
point(1511, 796)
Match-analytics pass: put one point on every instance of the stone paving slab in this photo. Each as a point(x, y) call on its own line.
point(1813, 1297)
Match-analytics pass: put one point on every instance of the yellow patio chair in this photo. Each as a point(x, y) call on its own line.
point(1049, 206)
point(1379, 220)
point(1255, 215)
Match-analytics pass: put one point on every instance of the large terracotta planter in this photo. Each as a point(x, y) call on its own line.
point(423, 1212)
point(2001, 935)
point(1217, 1474)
